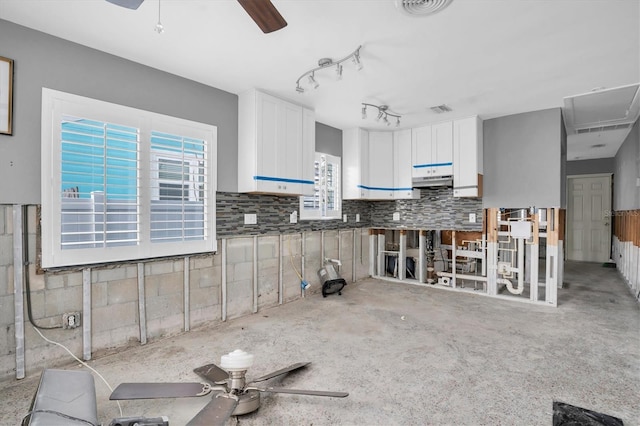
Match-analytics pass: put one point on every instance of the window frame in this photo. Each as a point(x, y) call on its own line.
point(55, 105)
point(321, 212)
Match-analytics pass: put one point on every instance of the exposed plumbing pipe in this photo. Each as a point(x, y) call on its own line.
point(142, 308)
point(185, 282)
point(280, 267)
point(255, 274)
point(520, 270)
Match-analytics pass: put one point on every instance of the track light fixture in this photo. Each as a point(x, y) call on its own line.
point(159, 28)
point(383, 113)
point(327, 63)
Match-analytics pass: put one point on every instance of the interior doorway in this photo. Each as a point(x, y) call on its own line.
point(589, 217)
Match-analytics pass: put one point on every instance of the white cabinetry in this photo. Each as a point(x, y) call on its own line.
point(276, 140)
point(376, 165)
point(432, 150)
point(355, 164)
point(381, 166)
point(402, 165)
point(467, 157)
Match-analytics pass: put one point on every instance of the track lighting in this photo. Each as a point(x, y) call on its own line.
point(328, 62)
point(383, 113)
point(159, 28)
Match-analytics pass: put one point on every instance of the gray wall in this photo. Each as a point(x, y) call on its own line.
point(328, 140)
point(45, 61)
point(627, 172)
point(589, 167)
point(523, 160)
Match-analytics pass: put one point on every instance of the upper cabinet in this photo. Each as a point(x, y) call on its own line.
point(467, 157)
point(376, 165)
point(432, 150)
point(276, 144)
point(402, 166)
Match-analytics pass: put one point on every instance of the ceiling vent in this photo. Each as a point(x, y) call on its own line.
point(421, 7)
point(439, 109)
point(602, 110)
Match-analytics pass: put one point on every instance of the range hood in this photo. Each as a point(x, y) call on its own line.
point(427, 182)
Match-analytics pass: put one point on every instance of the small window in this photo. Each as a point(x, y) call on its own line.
point(325, 203)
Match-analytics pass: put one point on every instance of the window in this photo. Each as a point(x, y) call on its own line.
point(122, 184)
point(326, 201)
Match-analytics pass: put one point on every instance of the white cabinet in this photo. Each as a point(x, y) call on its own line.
point(355, 164)
point(376, 165)
point(402, 165)
point(276, 140)
point(432, 150)
point(467, 157)
point(381, 166)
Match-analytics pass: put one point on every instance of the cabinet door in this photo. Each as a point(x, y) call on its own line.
point(467, 146)
point(267, 137)
point(442, 148)
point(289, 161)
point(421, 151)
point(381, 165)
point(355, 146)
point(402, 165)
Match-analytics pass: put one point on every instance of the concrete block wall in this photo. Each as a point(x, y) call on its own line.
point(115, 296)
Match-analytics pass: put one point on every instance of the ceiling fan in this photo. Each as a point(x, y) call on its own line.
point(263, 12)
point(234, 395)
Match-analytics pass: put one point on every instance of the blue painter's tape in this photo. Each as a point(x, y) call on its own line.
point(277, 179)
point(421, 166)
point(376, 188)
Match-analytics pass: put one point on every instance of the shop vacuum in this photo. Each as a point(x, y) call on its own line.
point(330, 279)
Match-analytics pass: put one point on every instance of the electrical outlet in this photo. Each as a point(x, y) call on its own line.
point(250, 219)
point(396, 216)
point(344, 217)
point(71, 320)
point(472, 217)
point(293, 217)
point(357, 217)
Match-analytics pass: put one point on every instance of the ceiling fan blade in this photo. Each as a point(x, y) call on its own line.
point(129, 4)
point(159, 390)
point(212, 373)
point(282, 371)
point(306, 392)
point(265, 14)
point(215, 413)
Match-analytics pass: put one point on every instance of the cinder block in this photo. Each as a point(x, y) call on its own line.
point(240, 271)
point(110, 274)
point(62, 300)
point(6, 284)
point(158, 267)
point(123, 291)
point(8, 220)
point(3, 218)
point(217, 258)
point(7, 313)
point(178, 265)
point(74, 279)
point(131, 271)
point(202, 262)
point(239, 250)
point(205, 316)
point(54, 281)
point(171, 283)
point(112, 317)
point(162, 306)
point(268, 264)
point(99, 294)
point(6, 250)
point(268, 247)
point(203, 297)
point(152, 285)
point(36, 281)
point(239, 289)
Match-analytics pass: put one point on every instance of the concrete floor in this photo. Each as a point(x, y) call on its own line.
point(455, 358)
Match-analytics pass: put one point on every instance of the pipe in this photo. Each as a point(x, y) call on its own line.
point(142, 313)
point(520, 270)
point(187, 297)
point(353, 268)
point(18, 301)
point(255, 274)
point(86, 313)
point(474, 278)
point(224, 280)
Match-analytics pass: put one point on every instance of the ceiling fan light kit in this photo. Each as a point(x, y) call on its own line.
point(324, 63)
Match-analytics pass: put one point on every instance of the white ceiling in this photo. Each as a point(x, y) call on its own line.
point(485, 57)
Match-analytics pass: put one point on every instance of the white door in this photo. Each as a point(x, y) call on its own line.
point(588, 221)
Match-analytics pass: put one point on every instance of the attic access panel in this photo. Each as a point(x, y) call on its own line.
point(602, 108)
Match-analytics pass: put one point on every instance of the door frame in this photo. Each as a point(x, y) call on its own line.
point(610, 211)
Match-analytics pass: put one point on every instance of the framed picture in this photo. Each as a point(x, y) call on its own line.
point(6, 95)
